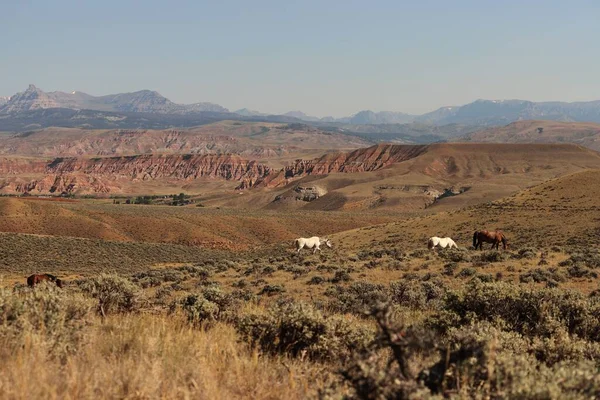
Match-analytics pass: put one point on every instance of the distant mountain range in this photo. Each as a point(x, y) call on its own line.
point(144, 101)
point(477, 113)
point(150, 107)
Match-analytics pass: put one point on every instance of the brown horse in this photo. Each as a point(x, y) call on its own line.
point(35, 279)
point(479, 237)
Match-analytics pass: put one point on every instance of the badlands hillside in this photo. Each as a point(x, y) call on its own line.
point(397, 177)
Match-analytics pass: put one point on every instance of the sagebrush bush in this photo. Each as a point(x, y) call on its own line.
point(526, 310)
point(211, 305)
point(114, 293)
point(46, 311)
point(272, 289)
point(527, 253)
point(466, 272)
point(341, 276)
point(450, 268)
point(357, 298)
point(456, 255)
point(472, 361)
point(416, 295)
point(299, 329)
point(493, 256)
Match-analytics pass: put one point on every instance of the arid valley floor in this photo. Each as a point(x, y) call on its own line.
point(203, 295)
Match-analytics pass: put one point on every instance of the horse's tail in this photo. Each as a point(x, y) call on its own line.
point(475, 239)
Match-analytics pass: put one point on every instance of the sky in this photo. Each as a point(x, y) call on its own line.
point(322, 57)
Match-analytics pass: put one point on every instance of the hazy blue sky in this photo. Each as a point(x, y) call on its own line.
point(322, 57)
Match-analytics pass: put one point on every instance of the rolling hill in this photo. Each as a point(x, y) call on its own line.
point(561, 211)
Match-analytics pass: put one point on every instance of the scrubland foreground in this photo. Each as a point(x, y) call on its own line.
point(405, 325)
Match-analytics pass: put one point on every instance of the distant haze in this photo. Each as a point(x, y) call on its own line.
point(323, 58)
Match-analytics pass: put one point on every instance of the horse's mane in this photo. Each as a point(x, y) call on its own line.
point(52, 277)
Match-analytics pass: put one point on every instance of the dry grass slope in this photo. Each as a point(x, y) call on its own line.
point(582, 133)
point(566, 208)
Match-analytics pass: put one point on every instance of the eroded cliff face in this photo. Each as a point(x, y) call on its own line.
point(440, 161)
point(98, 175)
point(361, 160)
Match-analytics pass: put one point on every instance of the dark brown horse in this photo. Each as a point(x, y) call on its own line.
point(493, 237)
point(35, 279)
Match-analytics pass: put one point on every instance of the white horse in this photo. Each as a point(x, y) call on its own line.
point(310, 243)
point(442, 242)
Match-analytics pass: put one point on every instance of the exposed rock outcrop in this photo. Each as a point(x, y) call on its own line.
point(362, 160)
point(97, 174)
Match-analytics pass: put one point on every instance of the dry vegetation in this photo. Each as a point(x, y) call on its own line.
point(193, 226)
point(377, 317)
point(583, 133)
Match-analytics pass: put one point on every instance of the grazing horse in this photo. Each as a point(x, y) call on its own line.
point(35, 279)
point(442, 242)
point(479, 237)
point(310, 243)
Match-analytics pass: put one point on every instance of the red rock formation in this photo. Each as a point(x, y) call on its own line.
point(94, 175)
point(361, 160)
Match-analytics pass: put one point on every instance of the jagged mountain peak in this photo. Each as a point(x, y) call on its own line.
point(146, 101)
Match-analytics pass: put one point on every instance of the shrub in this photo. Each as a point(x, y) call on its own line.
point(357, 298)
point(114, 293)
point(450, 268)
point(316, 280)
point(455, 255)
point(199, 310)
point(466, 272)
point(493, 256)
point(298, 329)
point(421, 253)
point(484, 277)
point(540, 275)
point(268, 270)
point(589, 258)
point(580, 271)
point(46, 311)
point(408, 294)
point(526, 310)
point(527, 252)
point(211, 305)
point(473, 361)
point(270, 289)
point(341, 276)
